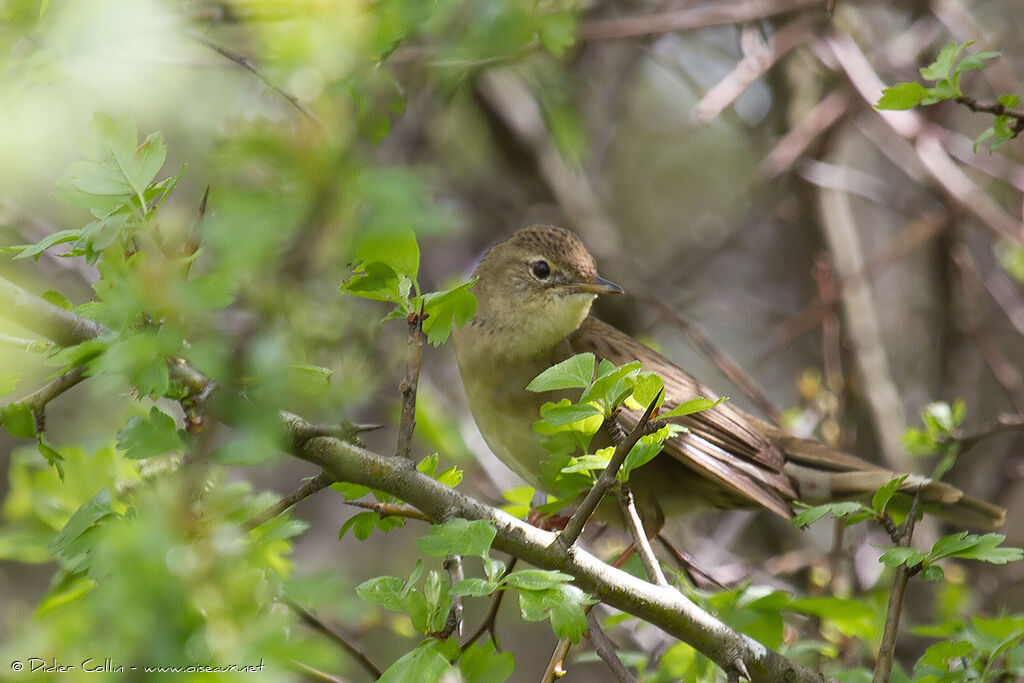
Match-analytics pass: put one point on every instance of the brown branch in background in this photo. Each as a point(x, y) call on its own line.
point(1005, 422)
point(1006, 373)
point(390, 510)
point(605, 649)
point(688, 19)
point(730, 368)
point(822, 116)
point(917, 233)
point(313, 622)
point(490, 619)
point(316, 674)
point(604, 482)
point(752, 67)
point(407, 423)
point(248, 65)
point(641, 541)
point(995, 108)
point(317, 483)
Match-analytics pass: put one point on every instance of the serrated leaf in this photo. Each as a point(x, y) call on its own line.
point(424, 664)
point(474, 587)
point(897, 555)
point(91, 512)
point(396, 249)
point(882, 496)
point(481, 663)
point(558, 415)
point(144, 437)
point(361, 524)
point(694, 405)
point(536, 579)
point(611, 387)
point(902, 96)
point(813, 514)
point(388, 592)
point(646, 387)
point(458, 537)
point(450, 477)
point(18, 420)
point(942, 67)
point(445, 310)
point(572, 373)
point(557, 32)
point(939, 654)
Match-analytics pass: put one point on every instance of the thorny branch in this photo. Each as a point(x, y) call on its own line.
point(407, 422)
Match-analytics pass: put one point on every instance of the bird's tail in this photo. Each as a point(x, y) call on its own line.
point(822, 474)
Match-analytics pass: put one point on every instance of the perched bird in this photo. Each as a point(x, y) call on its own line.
point(534, 292)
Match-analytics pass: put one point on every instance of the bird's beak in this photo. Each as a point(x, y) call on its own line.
point(598, 285)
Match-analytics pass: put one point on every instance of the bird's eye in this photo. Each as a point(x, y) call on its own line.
point(540, 269)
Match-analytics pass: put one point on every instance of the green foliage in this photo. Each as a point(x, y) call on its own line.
point(980, 649)
point(945, 74)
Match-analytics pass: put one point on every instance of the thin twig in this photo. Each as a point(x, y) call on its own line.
point(887, 649)
point(798, 138)
point(407, 423)
point(604, 482)
point(996, 109)
point(453, 564)
point(38, 399)
point(556, 665)
point(641, 542)
point(248, 65)
point(317, 483)
point(316, 674)
point(1002, 423)
point(730, 368)
point(688, 19)
point(490, 619)
point(315, 623)
point(605, 649)
point(30, 345)
point(390, 510)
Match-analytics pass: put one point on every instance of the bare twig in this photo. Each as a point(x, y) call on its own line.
point(313, 622)
point(490, 619)
point(453, 565)
point(30, 345)
point(390, 510)
point(798, 138)
point(641, 542)
point(996, 109)
point(407, 423)
point(604, 482)
point(1002, 423)
point(688, 19)
point(605, 649)
point(317, 483)
point(902, 536)
point(752, 67)
point(248, 65)
point(556, 665)
point(730, 368)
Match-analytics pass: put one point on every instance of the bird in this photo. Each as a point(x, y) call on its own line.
point(534, 292)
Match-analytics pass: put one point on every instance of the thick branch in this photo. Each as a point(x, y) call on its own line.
point(606, 650)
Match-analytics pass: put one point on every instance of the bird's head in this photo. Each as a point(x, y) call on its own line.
point(538, 286)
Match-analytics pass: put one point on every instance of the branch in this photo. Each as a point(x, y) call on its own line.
point(604, 482)
point(641, 543)
point(1002, 423)
point(390, 510)
point(887, 649)
point(487, 625)
point(38, 399)
point(317, 483)
point(995, 108)
point(665, 608)
point(316, 624)
point(407, 423)
point(606, 650)
point(248, 65)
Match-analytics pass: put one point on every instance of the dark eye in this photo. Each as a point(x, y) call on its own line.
point(540, 269)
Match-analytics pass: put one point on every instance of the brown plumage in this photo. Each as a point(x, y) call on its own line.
point(534, 294)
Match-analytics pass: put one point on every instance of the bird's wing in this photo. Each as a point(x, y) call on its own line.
point(721, 445)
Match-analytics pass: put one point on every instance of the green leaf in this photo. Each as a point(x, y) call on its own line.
point(939, 654)
point(144, 437)
point(8, 381)
point(572, 373)
point(932, 572)
point(458, 537)
point(559, 415)
point(590, 462)
point(536, 579)
point(883, 495)
point(902, 96)
point(428, 465)
point(361, 524)
point(974, 61)
point(425, 664)
point(942, 67)
point(985, 549)
point(646, 387)
point(443, 310)
point(645, 450)
point(813, 514)
point(694, 405)
point(94, 510)
point(53, 457)
point(450, 477)
point(474, 587)
point(396, 249)
point(557, 32)
point(851, 617)
point(388, 592)
point(350, 491)
point(481, 663)
point(52, 240)
point(18, 420)
point(894, 556)
point(613, 386)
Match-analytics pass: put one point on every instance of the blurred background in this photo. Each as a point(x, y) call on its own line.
point(722, 160)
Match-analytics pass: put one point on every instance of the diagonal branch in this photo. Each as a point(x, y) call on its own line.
point(604, 482)
point(317, 483)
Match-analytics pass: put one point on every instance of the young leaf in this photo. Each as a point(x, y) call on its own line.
point(536, 579)
point(481, 663)
point(942, 67)
point(813, 514)
point(572, 373)
point(18, 420)
point(883, 495)
point(694, 405)
point(458, 537)
point(443, 310)
point(388, 592)
point(144, 437)
point(902, 96)
point(91, 512)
